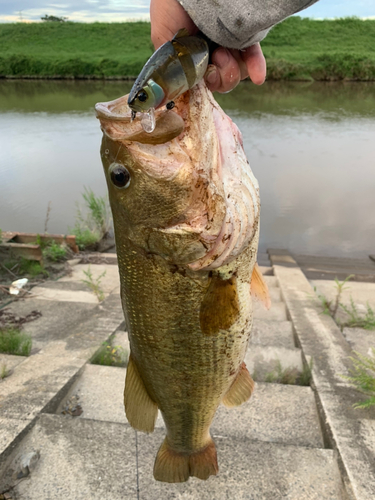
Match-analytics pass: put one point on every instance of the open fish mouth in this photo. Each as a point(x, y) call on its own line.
point(199, 143)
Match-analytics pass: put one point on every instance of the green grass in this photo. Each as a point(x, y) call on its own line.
point(13, 341)
point(363, 378)
point(109, 355)
point(55, 252)
point(94, 283)
point(298, 48)
point(288, 376)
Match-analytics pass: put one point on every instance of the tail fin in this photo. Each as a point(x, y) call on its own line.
point(173, 467)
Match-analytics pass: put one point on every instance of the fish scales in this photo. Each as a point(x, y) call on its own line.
point(186, 255)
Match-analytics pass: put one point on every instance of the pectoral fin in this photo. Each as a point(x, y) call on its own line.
point(140, 410)
point(241, 389)
point(259, 288)
point(220, 308)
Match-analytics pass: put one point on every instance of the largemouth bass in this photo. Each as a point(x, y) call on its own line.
point(186, 209)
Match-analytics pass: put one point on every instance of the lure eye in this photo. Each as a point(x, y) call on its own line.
point(120, 175)
point(142, 96)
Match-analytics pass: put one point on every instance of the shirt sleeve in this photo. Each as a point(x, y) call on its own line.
point(237, 24)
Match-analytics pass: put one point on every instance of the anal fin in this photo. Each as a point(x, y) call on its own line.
point(140, 410)
point(173, 467)
point(241, 389)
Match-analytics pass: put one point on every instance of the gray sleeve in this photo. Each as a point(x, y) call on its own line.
point(238, 24)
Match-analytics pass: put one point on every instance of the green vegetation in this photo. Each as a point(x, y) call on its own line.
point(13, 341)
point(55, 252)
point(290, 376)
point(4, 372)
point(354, 317)
point(109, 355)
point(94, 283)
point(94, 225)
point(296, 49)
point(363, 378)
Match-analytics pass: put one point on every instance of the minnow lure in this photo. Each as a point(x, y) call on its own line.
point(174, 68)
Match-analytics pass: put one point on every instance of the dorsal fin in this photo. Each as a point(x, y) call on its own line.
point(181, 33)
point(259, 288)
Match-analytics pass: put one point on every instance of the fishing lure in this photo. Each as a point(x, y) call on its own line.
point(174, 68)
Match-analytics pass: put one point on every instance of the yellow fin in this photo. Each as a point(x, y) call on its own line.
point(173, 467)
point(220, 307)
point(259, 288)
point(241, 389)
point(181, 33)
point(140, 410)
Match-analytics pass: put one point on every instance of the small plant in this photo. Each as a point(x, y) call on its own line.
point(4, 372)
point(110, 356)
point(85, 238)
point(99, 211)
point(356, 319)
point(331, 306)
point(94, 284)
point(290, 376)
point(13, 341)
point(32, 268)
point(55, 252)
point(363, 378)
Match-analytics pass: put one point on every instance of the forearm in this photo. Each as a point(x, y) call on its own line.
point(237, 24)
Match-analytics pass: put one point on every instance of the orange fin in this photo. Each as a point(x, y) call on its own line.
point(173, 467)
point(259, 288)
point(220, 307)
point(140, 410)
point(241, 389)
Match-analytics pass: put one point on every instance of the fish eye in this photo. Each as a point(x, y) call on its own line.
point(120, 175)
point(142, 96)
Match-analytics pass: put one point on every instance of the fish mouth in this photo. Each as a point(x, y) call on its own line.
point(116, 122)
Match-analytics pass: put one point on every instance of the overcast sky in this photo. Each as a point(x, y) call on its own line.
point(121, 10)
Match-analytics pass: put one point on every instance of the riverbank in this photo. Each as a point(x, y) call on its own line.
point(297, 49)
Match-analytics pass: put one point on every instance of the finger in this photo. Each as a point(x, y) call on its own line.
point(241, 63)
point(227, 68)
point(255, 63)
point(167, 17)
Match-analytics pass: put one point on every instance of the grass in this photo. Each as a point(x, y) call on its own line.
point(94, 222)
point(363, 378)
point(55, 252)
point(4, 372)
point(354, 317)
point(109, 355)
point(13, 341)
point(298, 48)
point(94, 283)
point(290, 376)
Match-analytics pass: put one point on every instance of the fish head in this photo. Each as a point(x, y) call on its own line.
point(179, 192)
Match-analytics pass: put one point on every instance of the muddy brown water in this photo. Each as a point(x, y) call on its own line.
point(311, 146)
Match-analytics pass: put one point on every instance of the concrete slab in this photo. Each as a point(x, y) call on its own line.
point(79, 459)
point(271, 281)
point(276, 413)
point(321, 339)
point(272, 333)
point(249, 470)
point(109, 283)
point(58, 320)
point(266, 270)
point(9, 361)
point(360, 340)
point(277, 312)
point(58, 295)
point(260, 360)
point(10, 429)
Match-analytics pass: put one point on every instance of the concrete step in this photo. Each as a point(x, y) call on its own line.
point(86, 459)
point(272, 334)
point(277, 312)
point(271, 281)
point(275, 413)
point(248, 470)
point(261, 361)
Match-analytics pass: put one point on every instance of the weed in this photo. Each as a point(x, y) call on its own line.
point(47, 217)
point(110, 356)
point(4, 372)
point(290, 376)
point(331, 306)
point(55, 252)
point(363, 378)
point(94, 284)
point(1, 235)
point(13, 341)
point(98, 211)
point(32, 268)
point(356, 319)
point(85, 238)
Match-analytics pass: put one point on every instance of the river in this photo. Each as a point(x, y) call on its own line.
point(310, 145)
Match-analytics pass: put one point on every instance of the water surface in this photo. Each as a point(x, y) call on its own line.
point(311, 146)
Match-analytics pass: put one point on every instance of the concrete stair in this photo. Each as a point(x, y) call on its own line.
point(269, 448)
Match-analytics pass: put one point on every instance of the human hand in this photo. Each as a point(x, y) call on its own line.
point(228, 67)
